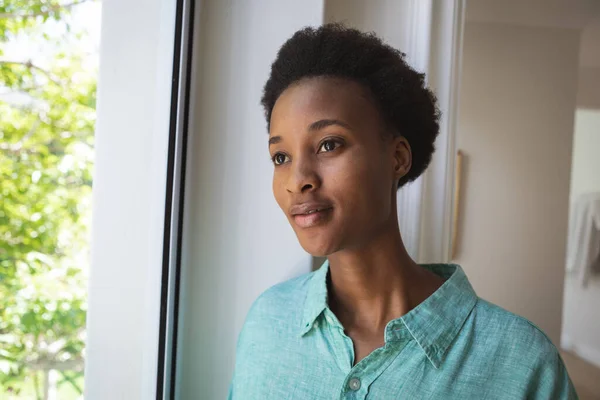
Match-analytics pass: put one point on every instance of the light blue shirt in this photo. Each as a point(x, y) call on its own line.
point(454, 345)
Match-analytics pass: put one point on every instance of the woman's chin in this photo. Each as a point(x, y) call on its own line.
point(318, 248)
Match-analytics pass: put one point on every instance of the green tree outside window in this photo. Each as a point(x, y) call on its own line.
point(47, 119)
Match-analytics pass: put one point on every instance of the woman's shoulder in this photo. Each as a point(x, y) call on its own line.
point(523, 345)
point(520, 349)
point(282, 301)
point(510, 327)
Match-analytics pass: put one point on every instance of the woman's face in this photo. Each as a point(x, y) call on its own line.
point(336, 171)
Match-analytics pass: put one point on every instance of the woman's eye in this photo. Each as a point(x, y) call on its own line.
point(328, 145)
point(279, 158)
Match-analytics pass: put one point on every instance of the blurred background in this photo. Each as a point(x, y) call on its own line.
point(529, 129)
point(513, 193)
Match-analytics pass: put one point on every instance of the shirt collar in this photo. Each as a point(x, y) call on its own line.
point(316, 297)
point(433, 324)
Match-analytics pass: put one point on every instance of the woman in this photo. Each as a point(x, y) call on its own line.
point(349, 123)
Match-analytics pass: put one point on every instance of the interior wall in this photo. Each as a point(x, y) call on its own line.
point(237, 242)
point(581, 327)
point(588, 92)
point(379, 16)
point(580, 319)
point(585, 172)
point(517, 102)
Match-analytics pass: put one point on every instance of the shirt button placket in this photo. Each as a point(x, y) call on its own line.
point(354, 384)
point(354, 389)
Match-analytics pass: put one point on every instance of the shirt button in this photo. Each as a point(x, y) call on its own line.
point(354, 384)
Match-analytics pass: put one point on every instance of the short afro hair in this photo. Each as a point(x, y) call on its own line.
point(333, 50)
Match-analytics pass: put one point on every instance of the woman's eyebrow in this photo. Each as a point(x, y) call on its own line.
point(315, 126)
point(274, 140)
point(324, 123)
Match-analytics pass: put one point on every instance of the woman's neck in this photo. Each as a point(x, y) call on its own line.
point(377, 283)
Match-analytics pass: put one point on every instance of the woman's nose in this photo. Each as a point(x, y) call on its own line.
point(304, 177)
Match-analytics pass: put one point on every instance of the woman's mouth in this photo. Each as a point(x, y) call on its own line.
point(312, 217)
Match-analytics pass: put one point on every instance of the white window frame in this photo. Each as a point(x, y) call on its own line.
point(136, 199)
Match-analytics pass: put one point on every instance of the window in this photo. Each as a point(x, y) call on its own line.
point(48, 72)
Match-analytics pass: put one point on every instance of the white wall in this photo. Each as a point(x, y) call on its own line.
point(573, 14)
point(128, 199)
point(517, 105)
point(581, 325)
point(237, 241)
point(380, 16)
point(585, 172)
point(588, 93)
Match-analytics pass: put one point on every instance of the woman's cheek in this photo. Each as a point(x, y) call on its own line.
point(349, 171)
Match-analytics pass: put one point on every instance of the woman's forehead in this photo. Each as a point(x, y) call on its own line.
point(308, 101)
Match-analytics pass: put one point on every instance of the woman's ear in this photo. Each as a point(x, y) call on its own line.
point(402, 157)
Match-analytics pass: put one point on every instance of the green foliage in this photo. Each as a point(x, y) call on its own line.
point(18, 15)
point(47, 118)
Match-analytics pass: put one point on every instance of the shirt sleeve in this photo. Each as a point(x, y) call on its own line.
point(552, 380)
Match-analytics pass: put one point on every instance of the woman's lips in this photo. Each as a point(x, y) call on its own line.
point(312, 218)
